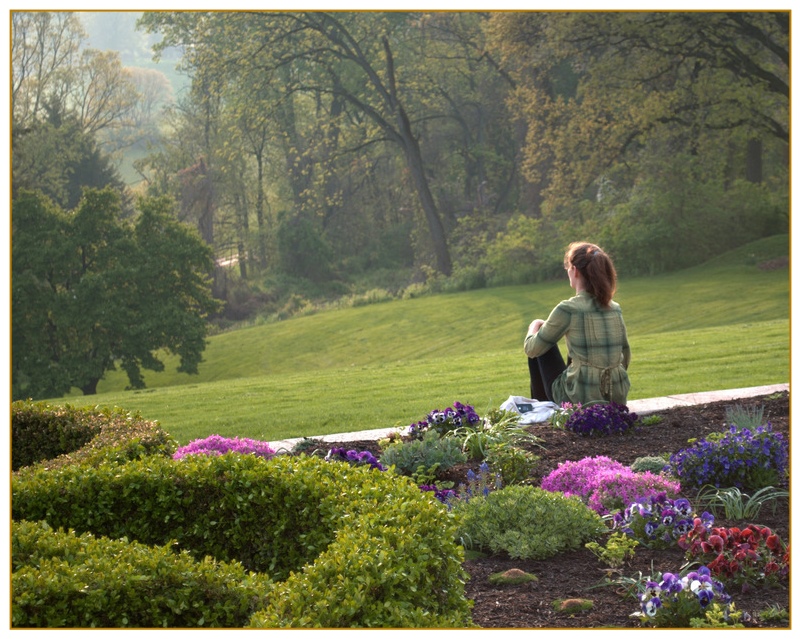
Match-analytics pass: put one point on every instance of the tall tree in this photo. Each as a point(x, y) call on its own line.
point(45, 49)
point(349, 56)
point(91, 291)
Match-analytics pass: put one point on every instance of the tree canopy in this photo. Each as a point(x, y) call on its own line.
point(91, 291)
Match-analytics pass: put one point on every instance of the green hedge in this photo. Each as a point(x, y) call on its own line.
point(62, 580)
point(62, 435)
point(357, 547)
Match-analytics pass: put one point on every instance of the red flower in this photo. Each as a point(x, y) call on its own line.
point(774, 542)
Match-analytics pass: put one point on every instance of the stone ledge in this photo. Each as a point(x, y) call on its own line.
point(638, 406)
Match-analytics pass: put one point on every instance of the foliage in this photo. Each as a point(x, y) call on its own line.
point(432, 450)
point(774, 613)
point(514, 464)
point(604, 484)
point(598, 420)
point(303, 251)
point(218, 445)
point(745, 417)
point(64, 580)
point(445, 421)
point(676, 601)
point(60, 160)
point(659, 522)
point(741, 458)
point(354, 457)
point(498, 428)
point(650, 420)
point(526, 522)
point(676, 87)
point(741, 557)
point(618, 548)
point(54, 436)
point(651, 463)
point(736, 505)
point(92, 291)
point(563, 413)
point(478, 484)
point(315, 524)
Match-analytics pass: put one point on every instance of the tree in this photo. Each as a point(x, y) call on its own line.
point(44, 50)
point(597, 89)
point(57, 158)
point(91, 291)
point(348, 59)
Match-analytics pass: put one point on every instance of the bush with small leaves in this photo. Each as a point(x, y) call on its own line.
point(56, 436)
point(650, 463)
point(64, 580)
point(376, 549)
point(526, 522)
point(417, 456)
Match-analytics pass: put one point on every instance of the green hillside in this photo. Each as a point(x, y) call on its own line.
point(721, 325)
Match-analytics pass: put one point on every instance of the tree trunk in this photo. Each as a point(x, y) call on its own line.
point(262, 231)
point(754, 169)
point(415, 164)
point(90, 387)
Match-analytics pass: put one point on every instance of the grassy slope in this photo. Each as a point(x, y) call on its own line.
point(722, 325)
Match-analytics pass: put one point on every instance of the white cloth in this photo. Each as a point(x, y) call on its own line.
point(531, 411)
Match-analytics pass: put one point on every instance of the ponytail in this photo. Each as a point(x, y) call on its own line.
point(596, 269)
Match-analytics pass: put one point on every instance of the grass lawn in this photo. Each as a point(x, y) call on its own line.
point(721, 325)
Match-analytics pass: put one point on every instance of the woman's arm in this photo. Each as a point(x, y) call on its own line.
point(542, 335)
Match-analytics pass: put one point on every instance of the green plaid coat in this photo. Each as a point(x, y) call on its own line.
point(597, 344)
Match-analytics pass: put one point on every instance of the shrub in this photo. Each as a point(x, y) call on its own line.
point(371, 545)
point(653, 463)
point(62, 580)
point(658, 521)
point(514, 465)
point(745, 557)
point(61, 435)
point(742, 458)
point(619, 547)
point(691, 600)
point(597, 420)
point(606, 485)
point(526, 522)
point(420, 455)
point(218, 445)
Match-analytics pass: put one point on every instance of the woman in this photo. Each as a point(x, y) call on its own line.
point(596, 338)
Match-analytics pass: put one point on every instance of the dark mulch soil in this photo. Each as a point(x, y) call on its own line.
point(577, 574)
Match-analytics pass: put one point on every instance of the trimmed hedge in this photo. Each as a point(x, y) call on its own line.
point(62, 580)
point(61, 435)
point(357, 548)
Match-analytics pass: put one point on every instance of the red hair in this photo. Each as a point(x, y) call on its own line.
point(596, 269)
